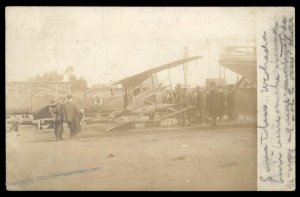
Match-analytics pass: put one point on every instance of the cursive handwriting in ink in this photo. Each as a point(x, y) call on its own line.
point(270, 179)
point(291, 160)
point(265, 65)
point(277, 109)
point(280, 167)
point(264, 134)
point(289, 133)
point(267, 162)
point(278, 134)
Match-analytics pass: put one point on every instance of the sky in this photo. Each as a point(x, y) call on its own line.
point(105, 44)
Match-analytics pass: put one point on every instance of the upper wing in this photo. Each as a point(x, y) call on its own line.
point(139, 78)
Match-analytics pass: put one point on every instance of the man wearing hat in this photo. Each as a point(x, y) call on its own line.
point(72, 116)
point(212, 103)
point(179, 94)
point(59, 119)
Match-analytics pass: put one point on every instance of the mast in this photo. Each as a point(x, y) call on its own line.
point(152, 80)
point(185, 66)
point(219, 63)
point(169, 74)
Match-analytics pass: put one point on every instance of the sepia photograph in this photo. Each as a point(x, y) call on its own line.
point(131, 98)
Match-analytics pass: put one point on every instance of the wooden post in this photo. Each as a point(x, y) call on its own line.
point(184, 66)
point(29, 95)
point(184, 74)
point(208, 54)
point(56, 90)
point(152, 79)
point(222, 50)
point(219, 64)
point(171, 85)
point(69, 88)
point(38, 125)
point(113, 97)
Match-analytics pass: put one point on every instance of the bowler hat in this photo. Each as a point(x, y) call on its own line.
point(69, 96)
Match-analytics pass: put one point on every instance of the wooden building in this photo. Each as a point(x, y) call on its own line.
point(25, 97)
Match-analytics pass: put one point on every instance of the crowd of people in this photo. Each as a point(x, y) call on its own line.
point(198, 105)
point(210, 105)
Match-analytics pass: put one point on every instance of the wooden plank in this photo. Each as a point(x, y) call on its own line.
point(174, 113)
point(149, 93)
point(118, 126)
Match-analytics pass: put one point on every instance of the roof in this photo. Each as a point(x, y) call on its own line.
point(140, 77)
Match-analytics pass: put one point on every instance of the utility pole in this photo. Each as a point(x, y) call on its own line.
point(219, 62)
point(154, 96)
point(208, 55)
point(224, 69)
point(170, 82)
point(185, 55)
point(29, 95)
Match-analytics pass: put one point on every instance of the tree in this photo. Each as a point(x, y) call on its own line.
point(70, 72)
point(77, 84)
point(47, 76)
point(82, 84)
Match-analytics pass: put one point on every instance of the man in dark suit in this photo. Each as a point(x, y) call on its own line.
point(221, 103)
point(229, 100)
point(187, 101)
point(52, 122)
point(72, 116)
point(212, 103)
point(179, 94)
point(59, 119)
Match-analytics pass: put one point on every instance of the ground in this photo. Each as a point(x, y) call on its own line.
point(198, 158)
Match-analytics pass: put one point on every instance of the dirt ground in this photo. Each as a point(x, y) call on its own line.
point(198, 158)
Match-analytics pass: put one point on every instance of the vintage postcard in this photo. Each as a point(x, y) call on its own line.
point(150, 98)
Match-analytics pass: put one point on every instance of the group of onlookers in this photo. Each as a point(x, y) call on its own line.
point(210, 104)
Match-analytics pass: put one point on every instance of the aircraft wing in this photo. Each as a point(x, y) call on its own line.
point(241, 60)
point(45, 112)
point(149, 93)
point(153, 108)
point(139, 78)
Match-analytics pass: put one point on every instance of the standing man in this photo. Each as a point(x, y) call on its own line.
point(59, 119)
point(179, 100)
point(221, 103)
point(194, 112)
point(51, 124)
point(229, 100)
point(98, 103)
point(72, 116)
point(212, 103)
point(179, 94)
point(201, 104)
point(197, 98)
point(186, 101)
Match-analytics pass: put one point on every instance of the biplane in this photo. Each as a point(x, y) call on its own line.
point(139, 104)
point(144, 106)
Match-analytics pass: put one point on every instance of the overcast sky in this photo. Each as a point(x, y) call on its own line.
point(106, 44)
